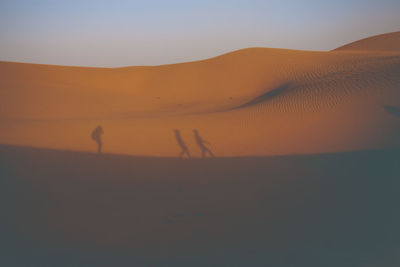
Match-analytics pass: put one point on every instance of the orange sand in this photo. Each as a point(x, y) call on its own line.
point(256, 101)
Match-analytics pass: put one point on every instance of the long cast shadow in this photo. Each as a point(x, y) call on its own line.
point(202, 145)
point(181, 144)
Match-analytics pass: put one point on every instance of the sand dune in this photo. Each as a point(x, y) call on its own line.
point(256, 101)
point(383, 42)
point(250, 206)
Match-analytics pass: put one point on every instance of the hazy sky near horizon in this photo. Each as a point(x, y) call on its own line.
point(122, 33)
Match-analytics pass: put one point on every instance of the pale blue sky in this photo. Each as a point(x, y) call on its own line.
point(150, 32)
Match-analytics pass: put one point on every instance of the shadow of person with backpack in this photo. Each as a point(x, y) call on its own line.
point(96, 136)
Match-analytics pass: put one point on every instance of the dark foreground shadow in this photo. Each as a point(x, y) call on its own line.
point(77, 209)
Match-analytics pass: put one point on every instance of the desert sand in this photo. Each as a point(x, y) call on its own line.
point(256, 101)
point(306, 171)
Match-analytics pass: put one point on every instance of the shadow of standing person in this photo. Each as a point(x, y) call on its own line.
point(202, 144)
point(182, 144)
point(96, 136)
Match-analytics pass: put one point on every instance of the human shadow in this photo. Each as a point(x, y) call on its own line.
point(202, 144)
point(181, 144)
point(393, 110)
point(96, 136)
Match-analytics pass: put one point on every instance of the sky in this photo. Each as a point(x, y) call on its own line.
point(118, 33)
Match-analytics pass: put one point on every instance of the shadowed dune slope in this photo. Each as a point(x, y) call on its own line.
point(256, 101)
point(383, 42)
point(80, 209)
point(393, 110)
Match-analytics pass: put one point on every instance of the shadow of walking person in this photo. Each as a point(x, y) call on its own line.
point(182, 144)
point(202, 144)
point(96, 136)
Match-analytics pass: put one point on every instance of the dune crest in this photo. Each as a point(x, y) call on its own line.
point(383, 42)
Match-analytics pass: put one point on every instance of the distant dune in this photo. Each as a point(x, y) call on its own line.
point(383, 42)
point(256, 101)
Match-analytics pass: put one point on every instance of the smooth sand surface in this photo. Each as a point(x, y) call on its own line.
point(85, 210)
point(256, 101)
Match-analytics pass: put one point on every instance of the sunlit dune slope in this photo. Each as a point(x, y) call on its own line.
point(255, 101)
point(383, 42)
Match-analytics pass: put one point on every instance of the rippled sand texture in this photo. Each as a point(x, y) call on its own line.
point(256, 101)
